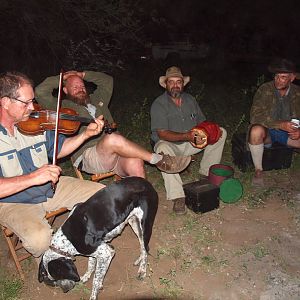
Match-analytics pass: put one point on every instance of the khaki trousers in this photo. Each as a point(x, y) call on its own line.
point(212, 155)
point(28, 221)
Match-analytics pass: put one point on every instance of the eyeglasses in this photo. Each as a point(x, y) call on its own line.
point(177, 82)
point(26, 103)
point(282, 77)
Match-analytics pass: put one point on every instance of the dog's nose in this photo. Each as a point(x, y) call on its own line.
point(66, 284)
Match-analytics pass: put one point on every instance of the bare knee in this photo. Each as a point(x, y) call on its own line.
point(257, 134)
point(131, 167)
point(136, 168)
point(111, 141)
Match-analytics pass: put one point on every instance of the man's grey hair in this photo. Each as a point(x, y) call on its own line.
point(10, 82)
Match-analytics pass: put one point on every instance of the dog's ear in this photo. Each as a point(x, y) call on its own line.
point(42, 271)
point(63, 268)
point(43, 275)
point(93, 236)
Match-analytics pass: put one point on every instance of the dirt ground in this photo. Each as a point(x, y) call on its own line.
point(236, 252)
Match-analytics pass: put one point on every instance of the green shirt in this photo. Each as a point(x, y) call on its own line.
point(268, 107)
point(166, 115)
point(100, 98)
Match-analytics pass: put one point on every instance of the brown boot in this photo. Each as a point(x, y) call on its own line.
point(173, 164)
point(179, 207)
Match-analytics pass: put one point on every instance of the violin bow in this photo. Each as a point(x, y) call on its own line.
point(57, 117)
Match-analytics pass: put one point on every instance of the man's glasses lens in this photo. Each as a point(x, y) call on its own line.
point(27, 103)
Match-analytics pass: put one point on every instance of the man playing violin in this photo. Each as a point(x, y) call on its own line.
point(111, 152)
point(26, 177)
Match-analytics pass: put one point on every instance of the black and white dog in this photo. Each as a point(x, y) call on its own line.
point(92, 224)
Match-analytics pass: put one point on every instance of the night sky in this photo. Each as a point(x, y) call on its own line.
point(38, 37)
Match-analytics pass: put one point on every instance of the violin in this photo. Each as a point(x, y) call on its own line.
point(69, 122)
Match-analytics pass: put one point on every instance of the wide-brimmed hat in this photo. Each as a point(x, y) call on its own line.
point(282, 65)
point(173, 72)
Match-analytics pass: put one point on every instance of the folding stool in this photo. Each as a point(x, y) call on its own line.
point(15, 244)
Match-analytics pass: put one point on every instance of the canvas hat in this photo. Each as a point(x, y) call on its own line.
point(282, 65)
point(173, 72)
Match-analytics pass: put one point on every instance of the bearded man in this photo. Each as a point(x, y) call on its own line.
point(110, 152)
point(173, 115)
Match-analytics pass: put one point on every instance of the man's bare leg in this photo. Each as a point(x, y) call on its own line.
point(257, 138)
point(115, 148)
point(117, 144)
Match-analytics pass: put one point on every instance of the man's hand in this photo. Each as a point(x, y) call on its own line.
point(72, 143)
point(295, 135)
point(288, 126)
point(95, 128)
point(198, 138)
point(46, 174)
point(72, 73)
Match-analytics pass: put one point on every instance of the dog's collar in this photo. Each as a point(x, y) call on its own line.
point(60, 252)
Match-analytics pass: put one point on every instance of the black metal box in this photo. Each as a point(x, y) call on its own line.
point(201, 196)
point(277, 157)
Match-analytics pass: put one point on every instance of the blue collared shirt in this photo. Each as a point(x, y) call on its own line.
point(22, 154)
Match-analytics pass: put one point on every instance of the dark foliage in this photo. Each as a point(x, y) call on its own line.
point(43, 36)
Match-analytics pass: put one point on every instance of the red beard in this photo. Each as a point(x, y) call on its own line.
point(81, 98)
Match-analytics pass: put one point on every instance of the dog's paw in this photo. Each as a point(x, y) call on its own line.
point(141, 275)
point(142, 272)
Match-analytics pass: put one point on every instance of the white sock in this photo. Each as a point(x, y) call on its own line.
point(155, 158)
point(257, 152)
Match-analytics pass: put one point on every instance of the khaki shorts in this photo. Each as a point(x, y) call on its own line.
point(93, 163)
